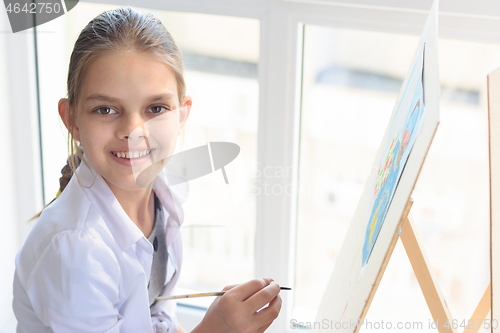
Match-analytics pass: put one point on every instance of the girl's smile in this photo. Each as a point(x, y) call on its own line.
point(132, 157)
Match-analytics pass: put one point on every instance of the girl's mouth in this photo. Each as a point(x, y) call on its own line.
point(132, 154)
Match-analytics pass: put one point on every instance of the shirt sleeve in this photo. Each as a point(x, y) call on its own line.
point(74, 285)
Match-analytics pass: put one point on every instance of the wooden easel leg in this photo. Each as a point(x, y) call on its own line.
point(481, 312)
point(426, 279)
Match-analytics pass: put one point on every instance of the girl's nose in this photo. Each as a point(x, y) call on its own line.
point(132, 128)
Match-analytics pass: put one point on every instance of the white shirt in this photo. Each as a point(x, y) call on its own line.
point(85, 265)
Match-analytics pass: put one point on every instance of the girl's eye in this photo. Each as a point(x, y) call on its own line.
point(105, 111)
point(158, 109)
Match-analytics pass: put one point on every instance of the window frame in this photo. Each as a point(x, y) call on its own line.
point(279, 77)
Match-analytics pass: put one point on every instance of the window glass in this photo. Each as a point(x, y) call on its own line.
point(221, 61)
point(351, 79)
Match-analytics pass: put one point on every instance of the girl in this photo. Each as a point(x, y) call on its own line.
point(109, 244)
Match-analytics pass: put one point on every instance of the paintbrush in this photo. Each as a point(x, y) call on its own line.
point(213, 293)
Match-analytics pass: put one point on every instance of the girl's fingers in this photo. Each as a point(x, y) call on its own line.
point(246, 290)
point(267, 315)
point(263, 296)
point(263, 328)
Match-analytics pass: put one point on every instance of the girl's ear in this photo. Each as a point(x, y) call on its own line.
point(185, 109)
point(69, 122)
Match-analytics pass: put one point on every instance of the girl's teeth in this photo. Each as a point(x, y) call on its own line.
point(134, 154)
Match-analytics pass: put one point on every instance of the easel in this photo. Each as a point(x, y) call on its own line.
point(427, 281)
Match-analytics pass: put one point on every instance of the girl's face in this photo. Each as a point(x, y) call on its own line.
point(128, 117)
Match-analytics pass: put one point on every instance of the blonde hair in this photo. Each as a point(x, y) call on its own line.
point(121, 29)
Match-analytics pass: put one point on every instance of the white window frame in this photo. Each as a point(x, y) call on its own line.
point(279, 99)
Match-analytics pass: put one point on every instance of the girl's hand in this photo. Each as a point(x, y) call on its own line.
point(238, 310)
